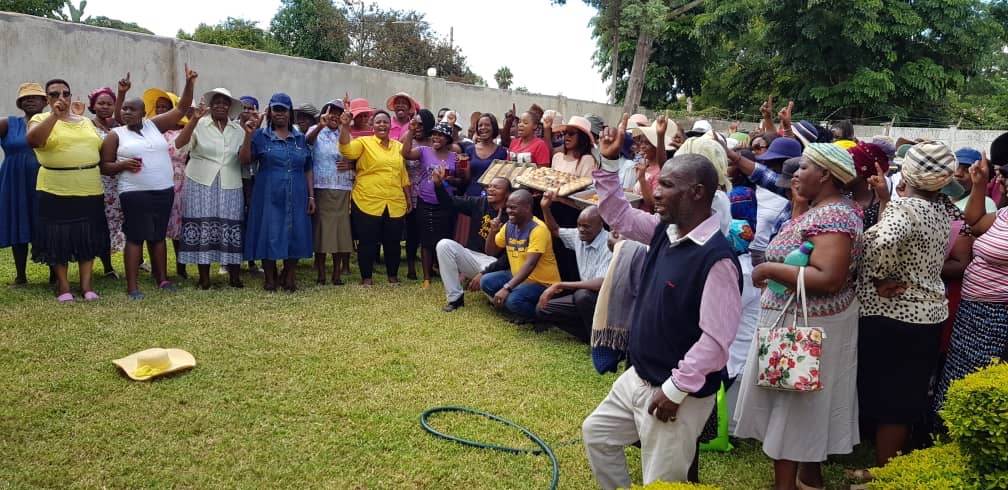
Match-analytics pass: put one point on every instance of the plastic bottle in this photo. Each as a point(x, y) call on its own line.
point(799, 257)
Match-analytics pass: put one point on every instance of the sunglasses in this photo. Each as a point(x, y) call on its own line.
point(571, 133)
point(56, 95)
point(759, 147)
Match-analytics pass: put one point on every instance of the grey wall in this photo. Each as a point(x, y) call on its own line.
point(36, 49)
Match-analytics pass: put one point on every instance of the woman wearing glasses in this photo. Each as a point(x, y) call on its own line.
point(71, 206)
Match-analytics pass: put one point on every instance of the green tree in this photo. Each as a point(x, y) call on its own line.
point(311, 29)
point(402, 41)
point(38, 8)
point(102, 21)
point(503, 77)
point(234, 33)
point(75, 13)
point(848, 58)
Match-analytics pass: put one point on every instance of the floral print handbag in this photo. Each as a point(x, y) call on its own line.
point(788, 356)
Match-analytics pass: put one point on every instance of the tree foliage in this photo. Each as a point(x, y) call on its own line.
point(234, 33)
point(102, 21)
point(846, 58)
point(311, 29)
point(38, 8)
point(504, 78)
point(401, 40)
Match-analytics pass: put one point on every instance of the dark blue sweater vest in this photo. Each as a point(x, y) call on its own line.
point(667, 313)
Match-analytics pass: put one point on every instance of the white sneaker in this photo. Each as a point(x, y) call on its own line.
point(144, 266)
point(223, 270)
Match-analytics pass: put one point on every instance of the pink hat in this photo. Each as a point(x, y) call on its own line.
point(360, 106)
point(388, 103)
point(638, 120)
point(579, 123)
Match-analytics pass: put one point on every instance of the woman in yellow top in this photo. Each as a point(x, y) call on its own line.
point(71, 205)
point(380, 195)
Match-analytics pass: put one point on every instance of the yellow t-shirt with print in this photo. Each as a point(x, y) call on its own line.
point(70, 145)
point(534, 237)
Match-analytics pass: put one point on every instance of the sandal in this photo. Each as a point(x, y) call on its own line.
point(65, 298)
point(136, 294)
point(167, 286)
point(802, 486)
point(91, 296)
point(862, 476)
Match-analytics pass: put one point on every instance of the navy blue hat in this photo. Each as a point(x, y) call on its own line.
point(967, 156)
point(781, 148)
point(248, 99)
point(807, 130)
point(282, 100)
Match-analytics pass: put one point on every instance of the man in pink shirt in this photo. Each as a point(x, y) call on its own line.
point(403, 108)
point(686, 314)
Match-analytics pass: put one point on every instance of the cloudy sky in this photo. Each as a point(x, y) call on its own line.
point(548, 48)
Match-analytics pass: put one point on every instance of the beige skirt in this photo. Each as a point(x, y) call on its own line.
point(331, 222)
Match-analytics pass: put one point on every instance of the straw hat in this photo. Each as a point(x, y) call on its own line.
point(579, 123)
point(389, 104)
point(151, 363)
point(29, 89)
point(236, 105)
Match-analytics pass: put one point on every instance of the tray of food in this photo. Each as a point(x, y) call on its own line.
point(589, 197)
point(504, 168)
point(548, 179)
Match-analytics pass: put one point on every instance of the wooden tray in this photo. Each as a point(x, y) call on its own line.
point(504, 168)
point(548, 179)
point(589, 197)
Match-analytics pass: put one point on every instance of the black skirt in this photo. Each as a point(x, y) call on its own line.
point(436, 223)
point(146, 213)
point(895, 363)
point(69, 229)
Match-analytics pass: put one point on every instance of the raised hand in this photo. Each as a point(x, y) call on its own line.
point(547, 199)
point(452, 117)
point(190, 75)
point(785, 115)
point(878, 183)
point(611, 142)
point(125, 84)
point(346, 118)
point(254, 120)
point(767, 108)
point(200, 110)
point(512, 114)
point(60, 109)
point(980, 171)
point(661, 123)
point(496, 223)
point(548, 121)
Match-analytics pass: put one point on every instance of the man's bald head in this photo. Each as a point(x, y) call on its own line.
point(519, 207)
point(696, 168)
point(589, 224)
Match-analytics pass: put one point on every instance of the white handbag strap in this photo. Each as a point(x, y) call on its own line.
point(780, 318)
point(802, 294)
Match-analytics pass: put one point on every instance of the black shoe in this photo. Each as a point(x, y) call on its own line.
point(454, 305)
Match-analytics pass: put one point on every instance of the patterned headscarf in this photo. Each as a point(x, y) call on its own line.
point(704, 145)
point(832, 158)
point(866, 156)
point(93, 97)
point(929, 166)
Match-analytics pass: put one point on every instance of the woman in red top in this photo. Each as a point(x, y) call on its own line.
point(527, 147)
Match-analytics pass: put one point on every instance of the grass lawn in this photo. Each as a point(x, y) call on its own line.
point(321, 388)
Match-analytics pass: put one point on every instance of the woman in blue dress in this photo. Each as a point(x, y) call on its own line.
point(279, 222)
point(18, 176)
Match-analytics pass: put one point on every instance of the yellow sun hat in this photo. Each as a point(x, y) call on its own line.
point(151, 363)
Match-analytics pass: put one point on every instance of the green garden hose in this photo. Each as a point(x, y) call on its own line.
point(544, 448)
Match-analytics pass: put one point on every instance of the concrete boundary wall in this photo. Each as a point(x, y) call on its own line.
point(979, 139)
point(38, 49)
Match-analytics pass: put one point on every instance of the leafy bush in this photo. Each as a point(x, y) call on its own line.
point(976, 413)
point(939, 467)
point(660, 485)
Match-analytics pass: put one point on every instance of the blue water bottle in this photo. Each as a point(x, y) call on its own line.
point(799, 257)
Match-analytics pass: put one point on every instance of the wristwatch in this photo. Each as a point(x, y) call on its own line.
point(506, 288)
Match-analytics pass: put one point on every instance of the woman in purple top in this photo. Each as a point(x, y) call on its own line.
point(435, 221)
point(483, 153)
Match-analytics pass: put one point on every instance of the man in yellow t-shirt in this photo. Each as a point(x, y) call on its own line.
point(529, 247)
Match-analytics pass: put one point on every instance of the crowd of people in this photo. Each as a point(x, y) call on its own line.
point(673, 271)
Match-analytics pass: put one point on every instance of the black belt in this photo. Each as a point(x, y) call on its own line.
point(82, 167)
